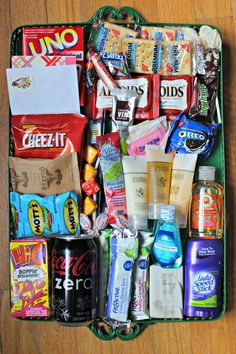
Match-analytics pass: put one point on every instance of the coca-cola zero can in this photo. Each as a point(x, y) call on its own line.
point(74, 280)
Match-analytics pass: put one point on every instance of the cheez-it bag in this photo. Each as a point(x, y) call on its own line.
point(47, 136)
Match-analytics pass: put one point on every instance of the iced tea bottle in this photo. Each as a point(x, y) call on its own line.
point(207, 208)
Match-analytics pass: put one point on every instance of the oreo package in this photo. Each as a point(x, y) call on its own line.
point(191, 137)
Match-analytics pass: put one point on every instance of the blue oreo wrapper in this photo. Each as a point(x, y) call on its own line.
point(188, 136)
point(68, 213)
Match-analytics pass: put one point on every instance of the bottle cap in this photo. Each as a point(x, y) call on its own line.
point(168, 213)
point(206, 173)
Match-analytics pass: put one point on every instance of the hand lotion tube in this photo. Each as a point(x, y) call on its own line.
point(135, 175)
point(181, 185)
point(159, 167)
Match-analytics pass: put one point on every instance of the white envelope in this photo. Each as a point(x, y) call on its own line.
point(43, 90)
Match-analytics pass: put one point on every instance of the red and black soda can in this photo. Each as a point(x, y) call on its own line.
point(74, 281)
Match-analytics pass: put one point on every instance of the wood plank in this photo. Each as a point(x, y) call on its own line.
point(5, 32)
point(189, 338)
point(209, 9)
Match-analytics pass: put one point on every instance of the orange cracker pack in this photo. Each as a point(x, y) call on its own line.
point(29, 278)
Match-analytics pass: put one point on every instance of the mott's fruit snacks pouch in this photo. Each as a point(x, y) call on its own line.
point(33, 215)
point(29, 278)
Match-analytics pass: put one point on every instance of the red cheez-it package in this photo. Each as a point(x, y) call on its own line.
point(47, 136)
point(57, 41)
point(146, 86)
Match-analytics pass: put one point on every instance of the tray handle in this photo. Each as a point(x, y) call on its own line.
point(119, 14)
point(107, 334)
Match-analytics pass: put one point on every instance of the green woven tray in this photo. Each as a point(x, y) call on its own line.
point(216, 159)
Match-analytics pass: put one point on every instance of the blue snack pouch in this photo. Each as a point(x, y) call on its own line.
point(15, 210)
point(68, 214)
point(191, 137)
point(38, 216)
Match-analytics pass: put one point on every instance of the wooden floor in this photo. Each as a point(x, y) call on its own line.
point(206, 338)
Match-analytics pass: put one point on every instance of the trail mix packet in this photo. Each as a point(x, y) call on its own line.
point(45, 176)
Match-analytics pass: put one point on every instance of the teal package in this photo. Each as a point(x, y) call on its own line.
point(68, 210)
point(38, 216)
point(15, 210)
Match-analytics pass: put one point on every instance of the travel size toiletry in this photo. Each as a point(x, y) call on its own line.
point(159, 167)
point(135, 175)
point(207, 209)
point(166, 292)
point(181, 185)
point(203, 278)
point(167, 249)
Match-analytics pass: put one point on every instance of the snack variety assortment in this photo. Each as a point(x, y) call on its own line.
point(149, 86)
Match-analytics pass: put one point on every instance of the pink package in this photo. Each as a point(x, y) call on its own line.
point(152, 137)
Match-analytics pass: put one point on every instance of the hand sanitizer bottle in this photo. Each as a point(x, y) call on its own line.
point(206, 211)
point(167, 249)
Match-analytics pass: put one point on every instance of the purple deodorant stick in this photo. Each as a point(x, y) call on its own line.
point(203, 278)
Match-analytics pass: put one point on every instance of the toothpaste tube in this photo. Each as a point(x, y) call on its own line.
point(104, 266)
point(139, 297)
point(113, 177)
point(123, 251)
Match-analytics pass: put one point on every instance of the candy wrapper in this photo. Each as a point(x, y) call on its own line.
point(29, 278)
point(45, 176)
point(123, 113)
point(101, 70)
point(108, 147)
point(205, 89)
point(175, 94)
point(146, 133)
point(106, 36)
point(48, 136)
point(147, 88)
point(116, 64)
point(188, 136)
point(124, 247)
point(45, 216)
point(139, 295)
